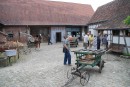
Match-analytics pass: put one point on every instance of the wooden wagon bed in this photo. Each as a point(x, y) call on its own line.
point(116, 47)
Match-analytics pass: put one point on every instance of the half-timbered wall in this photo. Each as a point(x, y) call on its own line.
point(55, 30)
point(15, 30)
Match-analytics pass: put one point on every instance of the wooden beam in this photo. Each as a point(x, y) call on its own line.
point(111, 36)
point(125, 42)
point(128, 46)
point(118, 40)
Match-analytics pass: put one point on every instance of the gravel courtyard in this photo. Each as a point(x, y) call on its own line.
point(44, 68)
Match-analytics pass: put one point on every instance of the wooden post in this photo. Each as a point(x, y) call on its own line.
point(125, 42)
point(118, 41)
point(17, 49)
point(112, 37)
point(18, 46)
point(19, 36)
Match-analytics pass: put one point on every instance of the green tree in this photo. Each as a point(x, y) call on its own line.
point(127, 20)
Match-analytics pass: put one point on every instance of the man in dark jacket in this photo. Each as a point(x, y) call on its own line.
point(98, 41)
point(49, 40)
point(105, 41)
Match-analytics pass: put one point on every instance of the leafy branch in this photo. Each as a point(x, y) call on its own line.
point(127, 20)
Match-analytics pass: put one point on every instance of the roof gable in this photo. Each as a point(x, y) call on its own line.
point(41, 12)
point(114, 12)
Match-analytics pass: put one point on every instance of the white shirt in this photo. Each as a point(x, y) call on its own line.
point(86, 39)
point(30, 38)
point(66, 41)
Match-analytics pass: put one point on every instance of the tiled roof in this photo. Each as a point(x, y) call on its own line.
point(42, 12)
point(113, 13)
point(115, 23)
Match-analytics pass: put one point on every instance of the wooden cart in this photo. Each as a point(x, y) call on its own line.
point(89, 57)
point(85, 58)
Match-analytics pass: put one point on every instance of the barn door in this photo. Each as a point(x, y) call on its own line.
point(58, 36)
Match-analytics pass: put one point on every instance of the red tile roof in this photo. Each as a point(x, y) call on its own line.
point(41, 12)
point(113, 13)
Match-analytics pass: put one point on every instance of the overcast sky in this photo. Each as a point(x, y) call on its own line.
point(94, 3)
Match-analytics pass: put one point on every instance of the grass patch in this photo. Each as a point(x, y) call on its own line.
point(125, 54)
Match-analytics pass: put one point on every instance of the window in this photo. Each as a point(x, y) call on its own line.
point(10, 35)
point(127, 32)
point(116, 32)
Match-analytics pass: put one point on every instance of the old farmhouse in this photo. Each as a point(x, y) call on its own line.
point(108, 19)
point(21, 17)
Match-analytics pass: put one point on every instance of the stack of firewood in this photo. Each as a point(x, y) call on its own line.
point(10, 45)
point(13, 44)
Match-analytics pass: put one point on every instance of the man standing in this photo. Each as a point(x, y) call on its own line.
point(66, 46)
point(95, 42)
point(49, 40)
point(40, 39)
point(105, 41)
point(85, 41)
point(98, 41)
point(91, 38)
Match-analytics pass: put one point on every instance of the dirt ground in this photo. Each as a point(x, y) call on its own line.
point(44, 68)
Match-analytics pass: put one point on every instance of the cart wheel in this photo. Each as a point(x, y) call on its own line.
point(101, 66)
point(103, 63)
point(69, 73)
point(29, 50)
point(84, 78)
point(25, 52)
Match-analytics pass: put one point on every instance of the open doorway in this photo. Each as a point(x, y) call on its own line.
point(58, 37)
point(74, 34)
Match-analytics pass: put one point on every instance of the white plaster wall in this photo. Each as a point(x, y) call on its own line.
point(115, 40)
point(93, 30)
point(57, 29)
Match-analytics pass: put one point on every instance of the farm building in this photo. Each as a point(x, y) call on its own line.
point(108, 19)
point(21, 17)
point(2, 37)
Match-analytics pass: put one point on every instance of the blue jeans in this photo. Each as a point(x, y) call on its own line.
point(67, 57)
